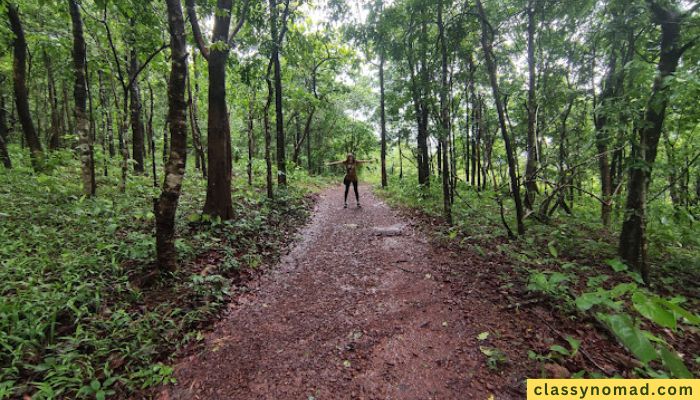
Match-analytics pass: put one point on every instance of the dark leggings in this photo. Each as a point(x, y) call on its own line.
point(347, 189)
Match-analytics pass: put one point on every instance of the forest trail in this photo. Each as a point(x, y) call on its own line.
point(361, 308)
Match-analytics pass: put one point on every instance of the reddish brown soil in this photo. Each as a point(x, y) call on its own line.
point(365, 307)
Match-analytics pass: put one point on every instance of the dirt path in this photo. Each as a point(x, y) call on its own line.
point(361, 308)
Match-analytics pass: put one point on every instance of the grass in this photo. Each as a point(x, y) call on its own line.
point(74, 321)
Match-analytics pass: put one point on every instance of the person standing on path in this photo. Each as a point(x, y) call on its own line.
point(350, 175)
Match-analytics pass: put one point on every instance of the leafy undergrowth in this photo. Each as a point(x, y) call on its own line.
point(77, 319)
point(568, 266)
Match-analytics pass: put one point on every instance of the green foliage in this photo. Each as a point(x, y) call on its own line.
point(74, 320)
point(634, 315)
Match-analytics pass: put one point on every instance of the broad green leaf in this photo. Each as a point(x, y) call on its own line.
point(674, 364)
point(560, 349)
point(483, 336)
point(680, 312)
point(630, 336)
point(553, 250)
point(617, 265)
point(653, 311)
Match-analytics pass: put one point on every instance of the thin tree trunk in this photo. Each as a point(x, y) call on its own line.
point(444, 120)
point(54, 128)
point(251, 137)
point(279, 115)
point(486, 41)
point(268, 138)
point(150, 134)
point(166, 205)
point(19, 67)
point(194, 126)
point(137, 140)
point(4, 154)
point(85, 151)
point(532, 159)
point(107, 113)
point(382, 111)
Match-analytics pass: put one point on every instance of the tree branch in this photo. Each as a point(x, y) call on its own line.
point(240, 23)
point(196, 30)
point(141, 68)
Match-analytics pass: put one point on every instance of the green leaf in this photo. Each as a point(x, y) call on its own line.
point(560, 349)
point(574, 343)
point(553, 250)
point(617, 265)
point(674, 364)
point(630, 336)
point(95, 385)
point(483, 336)
point(680, 311)
point(653, 311)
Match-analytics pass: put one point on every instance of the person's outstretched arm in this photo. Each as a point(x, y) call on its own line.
point(335, 162)
point(364, 161)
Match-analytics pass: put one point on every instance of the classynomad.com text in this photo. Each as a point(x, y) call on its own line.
point(613, 389)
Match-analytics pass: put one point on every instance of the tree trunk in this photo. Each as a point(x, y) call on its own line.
point(632, 237)
point(194, 126)
point(279, 117)
point(603, 139)
point(268, 138)
point(532, 159)
point(444, 120)
point(4, 154)
point(486, 42)
point(19, 67)
point(85, 152)
point(195, 110)
point(107, 114)
point(166, 205)
point(150, 135)
point(251, 137)
point(137, 141)
point(218, 202)
point(54, 127)
point(382, 112)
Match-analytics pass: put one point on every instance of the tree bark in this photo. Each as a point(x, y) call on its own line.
point(85, 151)
point(137, 141)
point(632, 237)
point(54, 127)
point(19, 67)
point(4, 154)
point(444, 119)
point(166, 205)
point(251, 137)
point(218, 202)
point(486, 42)
point(279, 115)
point(532, 159)
point(268, 137)
point(194, 126)
point(382, 112)
point(107, 114)
point(150, 135)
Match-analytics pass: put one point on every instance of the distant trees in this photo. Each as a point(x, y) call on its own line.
point(562, 105)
